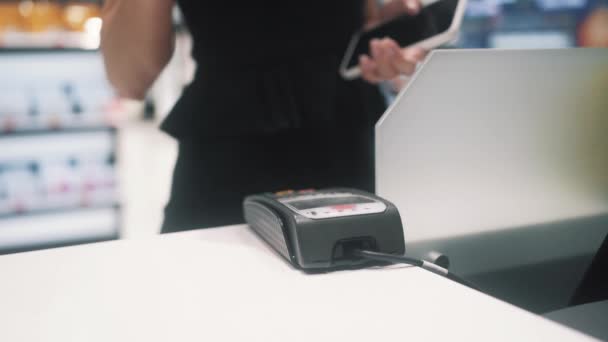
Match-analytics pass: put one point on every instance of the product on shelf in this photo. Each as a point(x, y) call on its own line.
point(13, 106)
point(99, 184)
point(9, 16)
point(77, 15)
point(40, 16)
point(20, 186)
point(50, 24)
point(58, 105)
point(56, 183)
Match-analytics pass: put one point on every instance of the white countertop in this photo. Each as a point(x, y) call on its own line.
point(225, 284)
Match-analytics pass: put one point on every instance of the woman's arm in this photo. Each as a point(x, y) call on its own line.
point(136, 42)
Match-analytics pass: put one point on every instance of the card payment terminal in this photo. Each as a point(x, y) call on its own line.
point(315, 229)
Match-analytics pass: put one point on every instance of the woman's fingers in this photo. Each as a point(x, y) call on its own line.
point(387, 60)
point(415, 54)
point(403, 65)
point(391, 60)
point(412, 7)
point(368, 69)
point(384, 55)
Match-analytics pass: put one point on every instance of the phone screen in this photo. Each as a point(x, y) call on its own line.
point(407, 30)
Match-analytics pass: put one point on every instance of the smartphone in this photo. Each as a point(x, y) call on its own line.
point(437, 23)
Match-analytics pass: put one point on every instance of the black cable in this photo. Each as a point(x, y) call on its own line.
point(404, 259)
point(392, 258)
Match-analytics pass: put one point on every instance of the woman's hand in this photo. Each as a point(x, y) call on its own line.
point(386, 59)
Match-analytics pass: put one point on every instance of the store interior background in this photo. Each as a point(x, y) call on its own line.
point(78, 164)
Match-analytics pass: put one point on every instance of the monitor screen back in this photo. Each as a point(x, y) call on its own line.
point(485, 140)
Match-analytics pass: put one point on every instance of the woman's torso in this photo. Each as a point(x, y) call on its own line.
point(238, 33)
point(266, 66)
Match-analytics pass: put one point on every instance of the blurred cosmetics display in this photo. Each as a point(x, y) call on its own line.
point(535, 24)
point(58, 182)
point(54, 106)
point(67, 178)
point(50, 23)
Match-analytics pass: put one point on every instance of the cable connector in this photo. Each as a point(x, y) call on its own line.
point(404, 259)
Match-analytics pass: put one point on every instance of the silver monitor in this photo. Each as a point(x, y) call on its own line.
point(491, 140)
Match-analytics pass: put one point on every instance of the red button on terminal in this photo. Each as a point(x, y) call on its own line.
point(306, 191)
point(341, 207)
point(284, 192)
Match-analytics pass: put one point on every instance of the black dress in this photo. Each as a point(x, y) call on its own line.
point(267, 109)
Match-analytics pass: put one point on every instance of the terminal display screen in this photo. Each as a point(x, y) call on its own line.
point(328, 202)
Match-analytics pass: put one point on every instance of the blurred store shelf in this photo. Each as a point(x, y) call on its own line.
point(49, 40)
point(28, 24)
point(57, 229)
point(56, 172)
point(58, 149)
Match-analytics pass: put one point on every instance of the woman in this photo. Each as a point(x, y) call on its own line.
point(267, 109)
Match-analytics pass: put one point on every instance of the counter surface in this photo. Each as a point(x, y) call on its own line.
point(225, 284)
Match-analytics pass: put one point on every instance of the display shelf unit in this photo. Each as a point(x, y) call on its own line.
point(53, 40)
point(58, 147)
point(57, 229)
point(50, 24)
point(508, 24)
